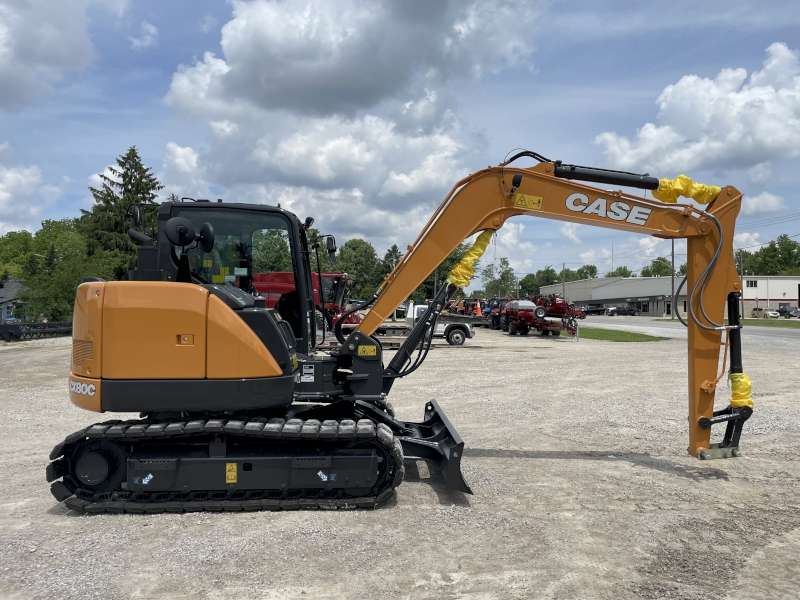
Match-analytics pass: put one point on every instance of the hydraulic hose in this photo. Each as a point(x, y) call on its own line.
point(337, 328)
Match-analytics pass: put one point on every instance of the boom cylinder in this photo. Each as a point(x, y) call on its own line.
point(643, 182)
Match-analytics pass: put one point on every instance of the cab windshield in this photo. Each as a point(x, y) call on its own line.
point(330, 289)
point(247, 245)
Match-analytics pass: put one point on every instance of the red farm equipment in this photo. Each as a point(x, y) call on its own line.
point(547, 314)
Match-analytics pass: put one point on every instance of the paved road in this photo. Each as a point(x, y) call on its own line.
point(651, 326)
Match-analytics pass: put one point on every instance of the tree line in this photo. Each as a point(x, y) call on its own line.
point(52, 262)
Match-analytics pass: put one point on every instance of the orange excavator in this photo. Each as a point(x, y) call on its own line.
point(239, 410)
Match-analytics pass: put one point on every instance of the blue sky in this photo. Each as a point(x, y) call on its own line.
point(364, 114)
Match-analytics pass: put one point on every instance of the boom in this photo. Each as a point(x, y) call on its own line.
point(485, 201)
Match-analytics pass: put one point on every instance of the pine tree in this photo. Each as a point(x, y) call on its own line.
point(105, 226)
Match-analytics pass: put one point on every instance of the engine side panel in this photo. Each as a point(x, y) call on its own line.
point(154, 330)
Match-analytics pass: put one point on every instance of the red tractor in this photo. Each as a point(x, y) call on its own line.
point(497, 316)
point(334, 287)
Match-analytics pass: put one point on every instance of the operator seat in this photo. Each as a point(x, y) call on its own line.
point(288, 307)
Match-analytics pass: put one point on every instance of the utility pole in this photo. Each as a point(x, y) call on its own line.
point(674, 300)
point(612, 256)
point(564, 280)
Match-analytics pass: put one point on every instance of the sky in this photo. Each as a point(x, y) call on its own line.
point(363, 114)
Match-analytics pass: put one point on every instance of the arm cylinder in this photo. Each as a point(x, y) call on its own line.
point(735, 335)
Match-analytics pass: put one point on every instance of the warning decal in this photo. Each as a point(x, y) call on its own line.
point(530, 202)
point(230, 472)
point(367, 350)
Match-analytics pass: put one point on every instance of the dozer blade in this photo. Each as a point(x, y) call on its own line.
point(436, 440)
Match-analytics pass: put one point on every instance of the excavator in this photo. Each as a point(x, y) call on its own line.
point(239, 410)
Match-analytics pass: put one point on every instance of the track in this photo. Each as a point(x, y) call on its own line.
point(309, 436)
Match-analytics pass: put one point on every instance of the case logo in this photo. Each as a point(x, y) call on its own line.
point(83, 389)
point(616, 211)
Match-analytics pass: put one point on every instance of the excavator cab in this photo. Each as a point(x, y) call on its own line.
point(248, 239)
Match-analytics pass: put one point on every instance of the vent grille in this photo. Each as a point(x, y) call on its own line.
point(82, 350)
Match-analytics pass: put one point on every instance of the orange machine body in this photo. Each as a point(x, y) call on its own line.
point(135, 330)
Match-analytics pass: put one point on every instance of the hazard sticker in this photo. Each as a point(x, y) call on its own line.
point(529, 202)
point(230, 472)
point(368, 351)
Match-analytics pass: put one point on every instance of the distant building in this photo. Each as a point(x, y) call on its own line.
point(653, 295)
point(9, 298)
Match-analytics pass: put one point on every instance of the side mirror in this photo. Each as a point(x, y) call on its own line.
point(134, 213)
point(207, 237)
point(180, 231)
point(330, 243)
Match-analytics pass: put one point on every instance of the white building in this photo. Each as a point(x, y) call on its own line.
point(653, 295)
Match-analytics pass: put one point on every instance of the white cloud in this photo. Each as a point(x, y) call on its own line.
point(721, 123)
point(207, 23)
point(760, 173)
point(183, 159)
point(570, 231)
point(345, 104)
point(147, 37)
point(762, 204)
point(23, 197)
point(592, 256)
point(321, 57)
point(747, 240)
point(39, 40)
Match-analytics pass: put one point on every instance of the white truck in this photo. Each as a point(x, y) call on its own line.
point(448, 326)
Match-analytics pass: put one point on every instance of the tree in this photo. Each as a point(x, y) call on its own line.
point(660, 267)
point(547, 276)
point(14, 249)
point(779, 257)
point(682, 270)
point(529, 285)
point(325, 266)
point(271, 251)
point(105, 226)
point(390, 260)
point(622, 271)
point(499, 281)
point(51, 277)
point(359, 260)
point(587, 272)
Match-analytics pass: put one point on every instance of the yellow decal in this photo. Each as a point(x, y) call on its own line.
point(224, 271)
point(230, 472)
point(207, 262)
point(218, 279)
point(368, 351)
point(294, 361)
point(527, 201)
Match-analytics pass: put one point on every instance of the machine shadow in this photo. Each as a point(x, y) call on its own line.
point(637, 458)
point(446, 497)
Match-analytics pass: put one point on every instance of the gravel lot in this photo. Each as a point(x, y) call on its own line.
point(575, 451)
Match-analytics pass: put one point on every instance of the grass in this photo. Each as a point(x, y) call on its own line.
point(610, 335)
point(785, 323)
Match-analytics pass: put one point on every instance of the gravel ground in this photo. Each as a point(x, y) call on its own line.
point(575, 451)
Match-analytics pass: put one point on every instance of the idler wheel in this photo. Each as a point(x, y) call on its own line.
point(92, 468)
point(99, 466)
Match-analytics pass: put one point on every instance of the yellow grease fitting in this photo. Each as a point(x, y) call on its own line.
point(230, 472)
point(669, 190)
point(740, 390)
point(463, 271)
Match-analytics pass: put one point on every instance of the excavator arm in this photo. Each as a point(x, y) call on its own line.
point(485, 200)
